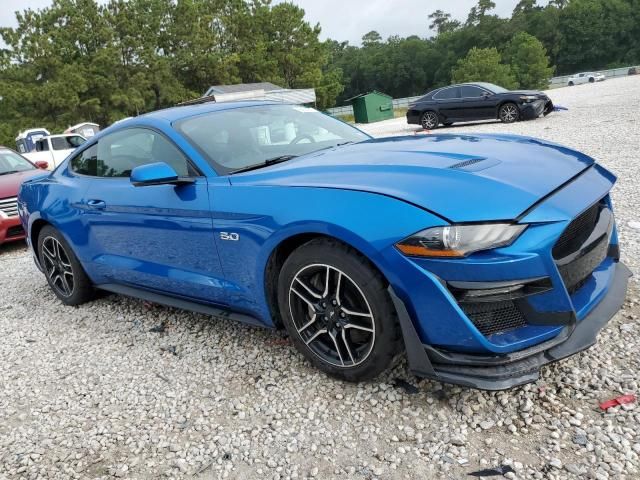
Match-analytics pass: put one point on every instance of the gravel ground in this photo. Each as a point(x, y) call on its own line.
point(120, 388)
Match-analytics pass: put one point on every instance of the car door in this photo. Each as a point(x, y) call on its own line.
point(478, 103)
point(43, 152)
point(449, 103)
point(156, 237)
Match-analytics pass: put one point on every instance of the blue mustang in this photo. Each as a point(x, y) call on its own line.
point(484, 257)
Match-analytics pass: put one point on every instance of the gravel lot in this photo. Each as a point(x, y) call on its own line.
point(95, 392)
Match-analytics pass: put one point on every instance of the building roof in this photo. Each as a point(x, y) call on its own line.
point(241, 87)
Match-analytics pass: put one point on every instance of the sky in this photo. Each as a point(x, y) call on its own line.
point(343, 19)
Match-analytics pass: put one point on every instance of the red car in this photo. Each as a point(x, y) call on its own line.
point(14, 169)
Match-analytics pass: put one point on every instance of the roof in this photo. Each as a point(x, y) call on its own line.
point(74, 127)
point(374, 92)
point(241, 87)
point(24, 133)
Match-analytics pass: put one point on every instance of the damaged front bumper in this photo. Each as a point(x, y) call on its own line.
point(500, 372)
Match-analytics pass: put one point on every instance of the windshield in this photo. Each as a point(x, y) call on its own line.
point(243, 137)
point(492, 88)
point(11, 162)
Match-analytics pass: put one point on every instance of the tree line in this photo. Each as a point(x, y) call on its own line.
point(80, 60)
point(538, 40)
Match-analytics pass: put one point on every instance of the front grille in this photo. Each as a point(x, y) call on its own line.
point(494, 317)
point(577, 232)
point(575, 273)
point(9, 206)
point(15, 231)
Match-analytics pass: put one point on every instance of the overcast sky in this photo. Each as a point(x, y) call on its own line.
point(343, 19)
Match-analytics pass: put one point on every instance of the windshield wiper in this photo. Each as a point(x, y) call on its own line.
point(9, 172)
point(265, 163)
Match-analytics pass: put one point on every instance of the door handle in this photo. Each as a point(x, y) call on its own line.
point(96, 204)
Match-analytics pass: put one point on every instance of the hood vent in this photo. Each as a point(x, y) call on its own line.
point(466, 163)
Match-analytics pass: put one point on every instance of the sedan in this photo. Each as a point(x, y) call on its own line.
point(14, 169)
point(483, 257)
point(476, 101)
point(585, 77)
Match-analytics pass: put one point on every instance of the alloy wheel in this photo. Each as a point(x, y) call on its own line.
point(57, 266)
point(429, 120)
point(508, 113)
point(331, 315)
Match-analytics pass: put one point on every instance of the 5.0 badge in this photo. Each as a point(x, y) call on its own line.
point(229, 236)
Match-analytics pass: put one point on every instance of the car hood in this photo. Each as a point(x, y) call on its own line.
point(10, 184)
point(462, 178)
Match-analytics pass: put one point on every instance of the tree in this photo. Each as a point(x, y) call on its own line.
point(483, 65)
point(96, 60)
point(529, 62)
point(441, 22)
point(477, 13)
point(371, 38)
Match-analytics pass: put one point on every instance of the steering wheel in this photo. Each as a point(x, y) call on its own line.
point(301, 137)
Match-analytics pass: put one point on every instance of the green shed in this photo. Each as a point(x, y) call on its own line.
point(372, 107)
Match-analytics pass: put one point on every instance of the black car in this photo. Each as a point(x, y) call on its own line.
point(476, 101)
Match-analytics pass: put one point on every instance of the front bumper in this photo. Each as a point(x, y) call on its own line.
point(532, 110)
point(500, 372)
point(10, 229)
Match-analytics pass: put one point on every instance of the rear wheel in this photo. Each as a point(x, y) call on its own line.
point(508, 113)
point(63, 271)
point(429, 120)
point(337, 310)
point(571, 84)
point(591, 79)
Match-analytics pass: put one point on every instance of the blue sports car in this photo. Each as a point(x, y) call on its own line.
point(483, 257)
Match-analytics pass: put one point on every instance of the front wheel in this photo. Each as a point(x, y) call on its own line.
point(337, 310)
point(429, 120)
point(65, 275)
point(508, 113)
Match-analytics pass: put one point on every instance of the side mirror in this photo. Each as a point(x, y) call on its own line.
point(158, 173)
point(486, 95)
point(42, 164)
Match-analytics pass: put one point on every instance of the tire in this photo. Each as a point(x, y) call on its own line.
point(508, 112)
point(63, 271)
point(344, 324)
point(429, 120)
point(571, 84)
point(591, 79)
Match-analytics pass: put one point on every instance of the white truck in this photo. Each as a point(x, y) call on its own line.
point(53, 149)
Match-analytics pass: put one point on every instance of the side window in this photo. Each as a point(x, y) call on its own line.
point(87, 162)
point(60, 143)
point(468, 91)
point(42, 145)
point(117, 154)
point(448, 93)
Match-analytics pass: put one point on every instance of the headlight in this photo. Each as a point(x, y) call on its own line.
point(528, 98)
point(458, 241)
